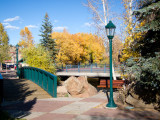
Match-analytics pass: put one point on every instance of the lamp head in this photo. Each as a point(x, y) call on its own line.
point(17, 46)
point(110, 30)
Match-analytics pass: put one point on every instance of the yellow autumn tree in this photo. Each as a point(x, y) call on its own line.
point(78, 48)
point(117, 45)
point(128, 46)
point(26, 38)
point(39, 57)
point(129, 33)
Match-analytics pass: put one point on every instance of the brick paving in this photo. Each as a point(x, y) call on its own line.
point(66, 108)
point(74, 110)
point(122, 114)
point(94, 100)
point(43, 106)
point(55, 116)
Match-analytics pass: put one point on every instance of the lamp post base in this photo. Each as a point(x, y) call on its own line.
point(111, 104)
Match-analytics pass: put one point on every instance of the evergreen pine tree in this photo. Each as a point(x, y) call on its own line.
point(145, 70)
point(46, 40)
point(149, 13)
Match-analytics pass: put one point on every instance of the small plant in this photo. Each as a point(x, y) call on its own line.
point(66, 95)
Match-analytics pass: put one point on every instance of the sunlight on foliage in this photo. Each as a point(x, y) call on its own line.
point(80, 47)
point(4, 44)
point(38, 57)
point(26, 38)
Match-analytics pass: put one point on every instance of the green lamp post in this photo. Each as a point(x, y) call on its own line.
point(110, 30)
point(17, 59)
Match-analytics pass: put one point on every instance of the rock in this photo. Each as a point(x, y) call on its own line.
point(73, 85)
point(61, 91)
point(138, 103)
point(79, 87)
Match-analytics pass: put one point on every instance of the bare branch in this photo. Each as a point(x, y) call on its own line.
point(95, 11)
point(104, 11)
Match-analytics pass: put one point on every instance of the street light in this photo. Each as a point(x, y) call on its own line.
point(17, 59)
point(110, 30)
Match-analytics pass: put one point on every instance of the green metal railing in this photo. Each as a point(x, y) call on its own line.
point(44, 79)
point(101, 68)
point(1, 89)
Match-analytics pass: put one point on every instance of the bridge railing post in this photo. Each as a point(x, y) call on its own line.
point(1, 89)
point(78, 68)
point(96, 65)
point(62, 66)
point(104, 68)
point(55, 86)
point(66, 69)
point(91, 68)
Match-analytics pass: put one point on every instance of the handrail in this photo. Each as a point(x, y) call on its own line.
point(1, 77)
point(1, 89)
point(87, 68)
point(44, 79)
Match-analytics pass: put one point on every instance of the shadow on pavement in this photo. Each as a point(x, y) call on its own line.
point(15, 92)
point(135, 114)
point(19, 109)
point(117, 114)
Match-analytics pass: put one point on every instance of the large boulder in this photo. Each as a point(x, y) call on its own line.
point(79, 87)
point(61, 91)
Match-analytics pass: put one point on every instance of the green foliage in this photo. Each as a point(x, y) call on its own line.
point(146, 75)
point(4, 47)
point(5, 116)
point(66, 95)
point(46, 40)
point(145, 70)
point(38, 57)
point(149, 13)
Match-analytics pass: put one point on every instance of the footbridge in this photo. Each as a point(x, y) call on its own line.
point(44, 79)
point(30, 84)
point(93, 70)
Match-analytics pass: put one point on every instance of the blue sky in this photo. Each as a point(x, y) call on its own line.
point(69, 14)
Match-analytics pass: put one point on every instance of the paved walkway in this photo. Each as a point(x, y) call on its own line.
point(66, 108)
point(20, 89)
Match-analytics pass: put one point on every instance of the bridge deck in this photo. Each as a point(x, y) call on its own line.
point(87, 71)
point(89, 74)
point(21, 89)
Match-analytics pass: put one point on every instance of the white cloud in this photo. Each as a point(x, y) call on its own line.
point(31, 26)
point(59, 28)
point(55, 21)
point(12, 19)
point(88, 24)
point(5, 24)
point(11, 27)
